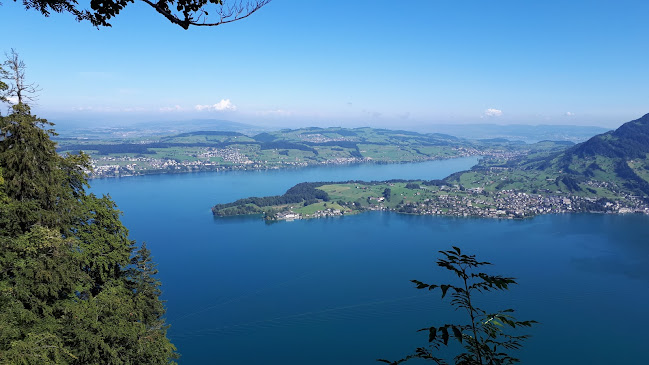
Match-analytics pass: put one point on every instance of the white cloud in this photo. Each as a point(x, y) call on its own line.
point(12, 99)
point(569, 114)
point(175, 108)
point(493, 113)
point(223, 105)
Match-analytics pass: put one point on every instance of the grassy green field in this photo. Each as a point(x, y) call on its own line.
point(321, 206)
point(370, 194)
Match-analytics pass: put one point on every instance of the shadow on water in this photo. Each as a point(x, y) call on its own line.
point(239, 219)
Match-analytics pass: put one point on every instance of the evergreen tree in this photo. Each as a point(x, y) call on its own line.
point(145, 285)
point(28, 158)
point(387, 194)
point(68, 291)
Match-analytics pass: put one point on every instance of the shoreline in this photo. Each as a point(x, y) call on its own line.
point(294, 217)
point(244, 168)
point(436, 197)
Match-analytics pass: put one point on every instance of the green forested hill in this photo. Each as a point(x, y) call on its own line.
point(629, 141)
point(618, 158)
point(74, 289)
point(608, 164)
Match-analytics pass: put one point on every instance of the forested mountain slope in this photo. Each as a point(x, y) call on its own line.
point(611, 165)
point(618, 157)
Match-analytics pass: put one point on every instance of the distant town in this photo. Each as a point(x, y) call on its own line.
point(225, 151)
point(233, 159)
point(438, 198)
point(507, 204)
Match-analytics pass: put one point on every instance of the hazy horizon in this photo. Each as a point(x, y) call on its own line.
point(145, 121)
point(115, 118)
point(298, 64)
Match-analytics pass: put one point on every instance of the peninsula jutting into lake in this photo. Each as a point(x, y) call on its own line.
point(607, 174)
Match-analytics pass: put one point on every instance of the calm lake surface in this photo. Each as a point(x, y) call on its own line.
point(337, 291)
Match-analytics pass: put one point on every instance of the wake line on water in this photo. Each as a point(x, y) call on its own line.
point(312, 317)
point(354, 311)
point(372, 309)
point(243, 296)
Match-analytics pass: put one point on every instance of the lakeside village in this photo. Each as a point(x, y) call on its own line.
point(231, 158)
point(505, 204)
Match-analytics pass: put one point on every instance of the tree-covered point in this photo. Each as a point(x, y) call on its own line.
point(297, 194)
point(74, 289)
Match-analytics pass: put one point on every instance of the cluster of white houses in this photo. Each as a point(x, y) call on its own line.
point(516, 204)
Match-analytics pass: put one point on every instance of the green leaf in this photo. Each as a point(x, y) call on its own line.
point(445, 335)
point(444, 289)
point(457, 333)
point(432, 333)
point(419, 284)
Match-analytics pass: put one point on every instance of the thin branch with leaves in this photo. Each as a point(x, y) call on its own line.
point(194, 13)
point(484, 337)
point(184, 13)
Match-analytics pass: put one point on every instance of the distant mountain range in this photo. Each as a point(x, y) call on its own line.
point(194, 125)
point(146, 129)
point(521, 132)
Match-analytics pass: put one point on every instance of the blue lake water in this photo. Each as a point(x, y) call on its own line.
point(337, 290)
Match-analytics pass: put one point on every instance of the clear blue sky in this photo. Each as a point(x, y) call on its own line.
point(353, 63)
